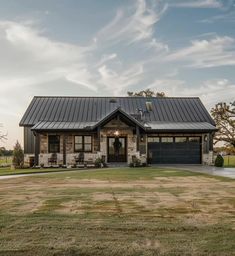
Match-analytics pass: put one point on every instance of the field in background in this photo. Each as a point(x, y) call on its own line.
point(128, 211)
point(5, 160)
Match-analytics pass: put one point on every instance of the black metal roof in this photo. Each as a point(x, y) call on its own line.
point(93, 109)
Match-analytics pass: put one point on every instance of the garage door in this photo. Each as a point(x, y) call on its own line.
point(174, 150)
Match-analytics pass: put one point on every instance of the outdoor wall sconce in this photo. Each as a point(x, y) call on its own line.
point(142, 138)
point(116, 133)
point(205, 138)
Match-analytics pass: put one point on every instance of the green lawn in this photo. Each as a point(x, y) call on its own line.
point(128, 211)
point(9, 171)
point(229, 161)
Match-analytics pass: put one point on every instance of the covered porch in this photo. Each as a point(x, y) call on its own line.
point(117, 138)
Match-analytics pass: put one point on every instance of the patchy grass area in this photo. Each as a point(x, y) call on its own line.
point(229, 161)
point(128, 211)
point(9, 171)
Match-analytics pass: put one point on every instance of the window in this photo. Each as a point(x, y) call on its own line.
point(167, 139)
point(153, 139)
point(82, 143)
point(180, 139)
point(54, 144)
point(194, 139)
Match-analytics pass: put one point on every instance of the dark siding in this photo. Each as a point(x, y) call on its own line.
point(29, 140)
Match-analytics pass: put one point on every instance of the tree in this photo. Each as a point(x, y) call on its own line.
point(224, 116)
point(2, 136)
point(146, 93)
point(18, 155)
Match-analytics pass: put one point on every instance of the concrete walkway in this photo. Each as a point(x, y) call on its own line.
point(212, 170)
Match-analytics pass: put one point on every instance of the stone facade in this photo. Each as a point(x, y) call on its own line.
point(100, 147)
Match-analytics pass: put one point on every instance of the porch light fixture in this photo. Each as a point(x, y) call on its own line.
point(116, 133)
point(205, 138)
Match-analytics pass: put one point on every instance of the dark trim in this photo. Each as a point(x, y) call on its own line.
point(98, 138)
point(37, 149)
point(64, 149)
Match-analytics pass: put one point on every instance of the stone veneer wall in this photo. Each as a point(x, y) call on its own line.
point(70, 154)
point(106, 131)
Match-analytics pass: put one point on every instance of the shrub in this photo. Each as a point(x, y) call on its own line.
point(18, 156)
point(219, 161)
point(99, 163)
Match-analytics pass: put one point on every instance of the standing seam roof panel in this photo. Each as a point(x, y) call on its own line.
point(178, 110)
point(192, 110)
point(26, 116)
point(36, 111)
point(184, 110)
point(80, 109)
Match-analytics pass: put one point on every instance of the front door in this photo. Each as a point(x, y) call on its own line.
point(116, 149)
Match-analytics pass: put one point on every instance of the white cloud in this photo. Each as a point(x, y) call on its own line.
point(219, 51)
point(136, 27)
point(115, 82)
point(196, 4)
point(209, 91)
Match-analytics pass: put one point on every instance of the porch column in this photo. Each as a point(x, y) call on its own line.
point(98, 138)
point(137, 138)
point(64, 149)
point(37, 149)
point(211, 141)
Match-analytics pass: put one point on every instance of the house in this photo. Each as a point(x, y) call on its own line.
point(168, 130)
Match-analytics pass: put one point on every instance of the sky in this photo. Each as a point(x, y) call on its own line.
point(102, 48)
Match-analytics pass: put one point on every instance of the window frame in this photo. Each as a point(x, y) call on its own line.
point(155, 139)
point(49, 147)
point(194, 137)
point(180, 137)
point(83, 143)
point(167, 137)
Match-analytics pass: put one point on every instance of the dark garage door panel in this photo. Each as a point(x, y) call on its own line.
point(174, 153)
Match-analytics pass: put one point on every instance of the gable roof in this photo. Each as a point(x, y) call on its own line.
point(46, 126)
point(82, 111)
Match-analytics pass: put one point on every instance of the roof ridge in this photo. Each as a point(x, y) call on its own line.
point(171, 97)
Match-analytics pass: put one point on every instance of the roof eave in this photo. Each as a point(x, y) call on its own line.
point(182, 130)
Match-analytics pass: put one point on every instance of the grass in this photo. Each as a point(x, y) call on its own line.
point(9, 171)
point(229, 161)
point(5, 160)
point(127, 211)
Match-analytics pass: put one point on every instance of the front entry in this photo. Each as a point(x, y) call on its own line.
point(117, 149)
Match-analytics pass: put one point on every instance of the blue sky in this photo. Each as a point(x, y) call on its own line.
point(96, 48)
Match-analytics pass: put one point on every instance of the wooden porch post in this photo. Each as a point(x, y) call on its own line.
point(37, 149)
point(137, 138)
point(64, 149)
point(98, 137)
